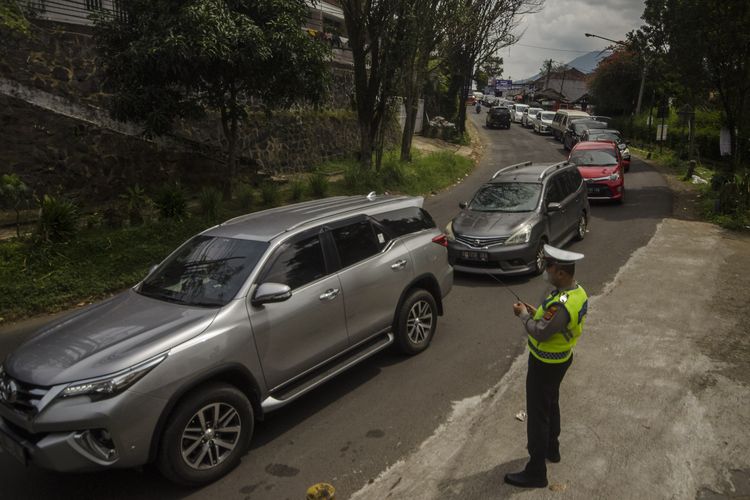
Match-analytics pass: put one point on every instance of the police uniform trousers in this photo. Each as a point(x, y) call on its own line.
point(543, 411)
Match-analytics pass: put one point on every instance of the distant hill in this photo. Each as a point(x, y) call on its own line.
point(585, 63)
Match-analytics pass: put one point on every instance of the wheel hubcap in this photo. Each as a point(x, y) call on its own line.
point(419, 322)
point(210, 436)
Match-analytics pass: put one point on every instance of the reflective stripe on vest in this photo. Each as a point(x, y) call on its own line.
point(549, 355)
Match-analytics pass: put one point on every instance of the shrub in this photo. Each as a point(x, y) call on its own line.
point(58, 220)
point(245, 195)
point(392, 173)
point(319, 184)
point(209, 202)
point(269, 193)
point(14, 194)
point(297, 189)
point(136, 203)
point(171, 202)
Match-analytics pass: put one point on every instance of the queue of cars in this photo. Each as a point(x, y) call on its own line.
point(249, 315)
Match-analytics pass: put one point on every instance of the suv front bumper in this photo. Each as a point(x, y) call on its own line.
point(66, 435)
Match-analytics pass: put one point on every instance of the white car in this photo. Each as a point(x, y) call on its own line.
point(517, 111)
point(542, 122)
point(528, 116)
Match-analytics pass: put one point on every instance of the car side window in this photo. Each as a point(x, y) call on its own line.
point(554, 191)
point(574, 179)
point(297, 263)
point(357, 241)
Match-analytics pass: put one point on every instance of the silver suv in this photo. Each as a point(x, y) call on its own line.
point(504, 227)
point(238, 321)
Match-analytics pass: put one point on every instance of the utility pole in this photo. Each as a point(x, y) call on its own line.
point(643, 64)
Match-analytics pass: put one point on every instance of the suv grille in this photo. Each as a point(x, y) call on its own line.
point(21, 397)
point(481, 241)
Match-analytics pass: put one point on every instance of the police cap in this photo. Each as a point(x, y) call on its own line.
point(558, 256)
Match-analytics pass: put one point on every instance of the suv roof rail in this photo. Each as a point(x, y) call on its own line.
point(555, 166)
point(517, 165)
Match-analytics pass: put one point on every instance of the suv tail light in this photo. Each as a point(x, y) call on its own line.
point(441, 240)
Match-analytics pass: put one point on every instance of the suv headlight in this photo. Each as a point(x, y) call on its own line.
point(523, 235)
point(449, 231)
point(614, 176)
point(115, 383)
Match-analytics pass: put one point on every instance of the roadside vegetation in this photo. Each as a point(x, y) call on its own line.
point(688, 64)
point(71, 258)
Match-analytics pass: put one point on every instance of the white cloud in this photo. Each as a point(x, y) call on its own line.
point(561, 25)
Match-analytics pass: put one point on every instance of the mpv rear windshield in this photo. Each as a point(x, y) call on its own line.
point(405, 221)
point(206, 271)
point(507, 197)
point(593, 157)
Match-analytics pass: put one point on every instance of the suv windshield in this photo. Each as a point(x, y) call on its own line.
point(206, 271)
point(506, 197)
point(548, 115)
point(499, 111)
point(593, 157)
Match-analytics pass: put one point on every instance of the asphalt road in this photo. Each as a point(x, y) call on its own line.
point(351, 429)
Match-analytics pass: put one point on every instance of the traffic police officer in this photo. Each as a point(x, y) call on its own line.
point(553, 330)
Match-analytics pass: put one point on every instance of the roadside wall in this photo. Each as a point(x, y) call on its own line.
point(55, 132)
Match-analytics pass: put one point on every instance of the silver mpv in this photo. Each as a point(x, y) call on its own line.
point(238, 321)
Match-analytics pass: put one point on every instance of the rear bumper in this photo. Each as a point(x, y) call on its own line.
point(601, 190)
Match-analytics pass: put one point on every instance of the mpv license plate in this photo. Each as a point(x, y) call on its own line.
point(482, 256)
point(13, 448)
point(595, 190)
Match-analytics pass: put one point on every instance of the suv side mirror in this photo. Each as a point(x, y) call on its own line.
point(553, 207)
point(271, 292)
point(462, 205)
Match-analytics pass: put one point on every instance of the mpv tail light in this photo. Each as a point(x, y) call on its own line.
point(441, 240)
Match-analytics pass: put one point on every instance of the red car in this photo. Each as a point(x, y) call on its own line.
point(601, 166)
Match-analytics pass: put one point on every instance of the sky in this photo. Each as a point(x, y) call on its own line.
point(559, 28)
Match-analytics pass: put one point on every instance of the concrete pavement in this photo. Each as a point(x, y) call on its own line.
point(655, 404)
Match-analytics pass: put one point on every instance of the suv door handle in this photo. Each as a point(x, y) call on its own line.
point(329, 294)
point(398, 265)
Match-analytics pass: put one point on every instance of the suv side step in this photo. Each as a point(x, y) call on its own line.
point(290, 392)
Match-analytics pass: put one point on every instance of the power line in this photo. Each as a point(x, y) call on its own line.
point(551, 48)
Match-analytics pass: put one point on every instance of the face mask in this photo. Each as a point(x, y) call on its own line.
point(545, 276)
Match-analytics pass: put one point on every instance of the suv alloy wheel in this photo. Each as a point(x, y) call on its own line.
point(416, 322)
point(206, 435)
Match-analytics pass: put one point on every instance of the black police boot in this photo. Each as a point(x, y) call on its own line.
point(525, 480)
point(553, 456)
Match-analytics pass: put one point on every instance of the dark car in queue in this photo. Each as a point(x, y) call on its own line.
point(600, 163)
point(503, 228)
point(498, 117)
point(576, 129)
point(610, 135)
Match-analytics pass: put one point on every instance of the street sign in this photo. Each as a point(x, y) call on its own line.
point(725, 142)
point(503, 84)
point(661, 132)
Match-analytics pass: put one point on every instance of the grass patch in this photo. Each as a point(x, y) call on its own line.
point(101, 260)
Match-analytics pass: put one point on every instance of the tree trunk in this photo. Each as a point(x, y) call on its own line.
point(230, 125)
point(365, 145)
point(411, 105)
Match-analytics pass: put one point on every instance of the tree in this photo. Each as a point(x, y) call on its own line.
point(480, 28)
point(423, 22)
point(615, 82)
point(13, 22)
point(168, 59)
point(375, 31)
point(707, 45)
point(491, 69)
